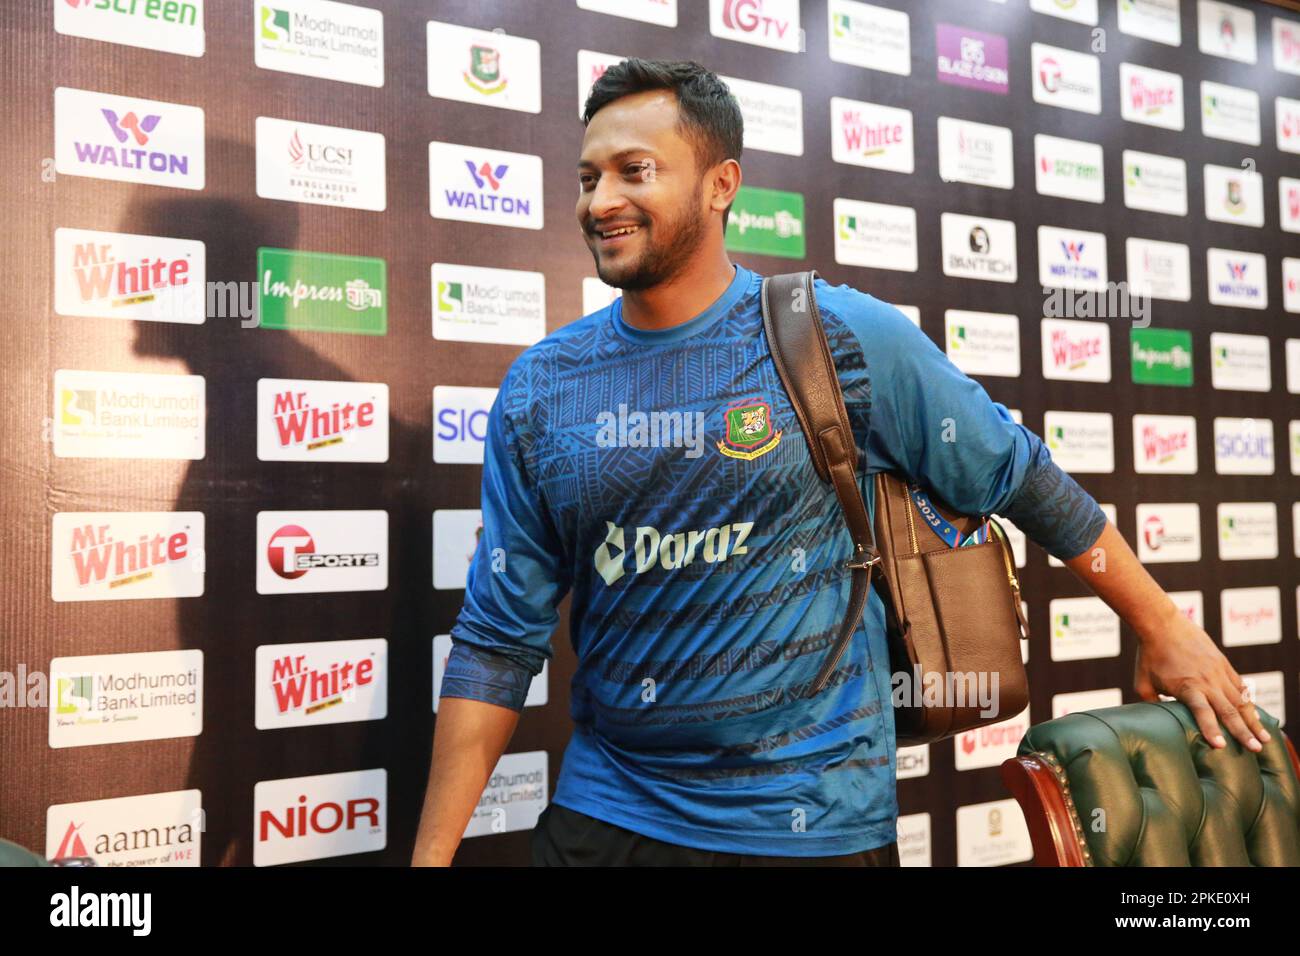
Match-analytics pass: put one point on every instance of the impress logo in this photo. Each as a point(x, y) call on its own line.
point(128, 415)
point(123, 556)
point(1164, 444)
point(668, 550)
point(118, 698)
point(769, 23)
point(485, 185)
point(128, 139)
point(300, 552)
point(320, 38)
point(174, 26)
point(120, 276)
point(867, 134)
point(156, 829)
point(312, 818)
point(322, 292)
point(326, 682)
point(1151, 97)
point(299, 420)
point(321, 165)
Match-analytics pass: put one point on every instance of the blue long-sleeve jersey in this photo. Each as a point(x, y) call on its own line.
point(663, 478)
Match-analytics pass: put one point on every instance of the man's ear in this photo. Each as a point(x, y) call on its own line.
point(724, 182)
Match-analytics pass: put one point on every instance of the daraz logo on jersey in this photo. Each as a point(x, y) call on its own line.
point(668, 550)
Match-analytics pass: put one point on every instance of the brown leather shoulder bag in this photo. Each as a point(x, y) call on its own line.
point(952, 606)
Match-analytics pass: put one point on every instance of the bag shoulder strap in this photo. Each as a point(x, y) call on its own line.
point(803, 360)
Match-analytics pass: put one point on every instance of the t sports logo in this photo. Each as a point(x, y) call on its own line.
point(668, 550)
point(316, 551)
point(292, 553)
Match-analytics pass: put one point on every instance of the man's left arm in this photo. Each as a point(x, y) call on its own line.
point(938, 426)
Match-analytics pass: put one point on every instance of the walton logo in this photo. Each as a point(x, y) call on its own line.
point(485, 175)
point(1238, 271)
point(1073, 250)
point(124, 129)
point(670, 551)
point(130, 123)
point(747, 16)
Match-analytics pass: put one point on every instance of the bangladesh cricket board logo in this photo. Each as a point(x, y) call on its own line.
point(749, 430)
point(484, 73)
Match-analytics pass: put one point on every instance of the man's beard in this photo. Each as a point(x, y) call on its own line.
point(666, 257)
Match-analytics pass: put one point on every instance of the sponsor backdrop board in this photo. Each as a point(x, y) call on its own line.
point(268, 262)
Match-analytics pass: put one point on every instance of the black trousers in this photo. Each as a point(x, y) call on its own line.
point(565, 837)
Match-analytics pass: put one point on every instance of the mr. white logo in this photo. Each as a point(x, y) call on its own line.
point(1153, 97)
point(327, 682)
point(1076, 350)
point(669, 551)
point(102, 909)
point(300, 420)
point(108, 556)
point(868, 134)
point(1164, 444)
point(119, 276)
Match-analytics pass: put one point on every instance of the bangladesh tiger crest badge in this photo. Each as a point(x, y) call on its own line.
point(748, 430)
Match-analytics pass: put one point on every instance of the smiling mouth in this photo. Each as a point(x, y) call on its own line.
point(612, 234)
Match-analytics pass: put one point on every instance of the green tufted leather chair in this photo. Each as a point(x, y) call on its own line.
point(1138, 785)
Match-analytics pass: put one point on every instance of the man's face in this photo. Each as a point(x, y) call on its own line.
point(641, 203)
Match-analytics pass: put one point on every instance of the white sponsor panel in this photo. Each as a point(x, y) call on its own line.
point(1155, 183)
point(1076, 351)
point(1288, 204)
point(1080, 11)
point(1268, 691)
point(871, 135)
point(1250, 616)
point(1287, 117)
point(991, 744)
point(126, 555)
point(1155, 20)
point(1081, 442)
point(659, 12)
point(128, 415)
point(1286, 46)
point(119, 698)
point(1240, 362)
point(475, 304)
point(442, 643)
point(914, 839)
point(128, 139)
point(305, 420)
point(1226, 30)
point(1016, 538)
point(1112, 515)
point(171, 26)
point(304, 552)
point(913, 761)
point(1168, 532)
point(869, 36)
point(1072, 259)
point(1247, 530)
point(1243, 446)
point(321, 165)
point(1151, 97)
point(1161, 270)
point(875, 235)
point(313, 818)
point(456, 533)
point(1293, 429)
point(1293, 366)
point(320, 38)
point(460, 417)
point(976, 247)
point(484, 67)
point(983, 343)
point(591, 66)
point(992, 834)
point(115, 275)
point(769, 23)
point(514, 797)
point(493, 186)
point(153, 829)
point(322, 682)
point(1083, 629)
point(976, 153)
point(1230, 112)
point(1191, 604)
point(773, 115)
point(596, 295)
point(1073, 703)
point(1234, 195)
point(1164, 444)
point(1237, 278)
point(1066, 79)
point(912, 312)
point(1069, 168)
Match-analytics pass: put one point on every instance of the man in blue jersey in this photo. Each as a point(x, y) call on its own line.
point(646, 460)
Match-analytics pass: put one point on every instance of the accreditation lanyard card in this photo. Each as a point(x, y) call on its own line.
point(937, 523)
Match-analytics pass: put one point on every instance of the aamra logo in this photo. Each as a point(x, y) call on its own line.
point(484, 73)
point(71, 844)
point(485, 175)
point(275, 24)
point(130, 123)
point(749, 432)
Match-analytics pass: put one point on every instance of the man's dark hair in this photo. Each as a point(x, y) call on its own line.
point(708, 114)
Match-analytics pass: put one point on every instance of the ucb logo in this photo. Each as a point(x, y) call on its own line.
point(669, 551)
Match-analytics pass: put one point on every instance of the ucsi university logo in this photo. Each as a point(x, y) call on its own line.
point(669, 550)
point(316, 154)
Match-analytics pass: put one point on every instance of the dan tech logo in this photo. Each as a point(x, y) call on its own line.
point(103, 136)
point(312, 818)
point(978, 248)
point(490, 186)
point(120, 276)
point(302, 552)
point(300, 420)
point(769, 23)
point(171, 26)
point(668, 550)
point(326, 682)
point(121, 556)
point(460, 419)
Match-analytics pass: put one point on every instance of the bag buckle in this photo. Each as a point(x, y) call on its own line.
point(863, 559)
